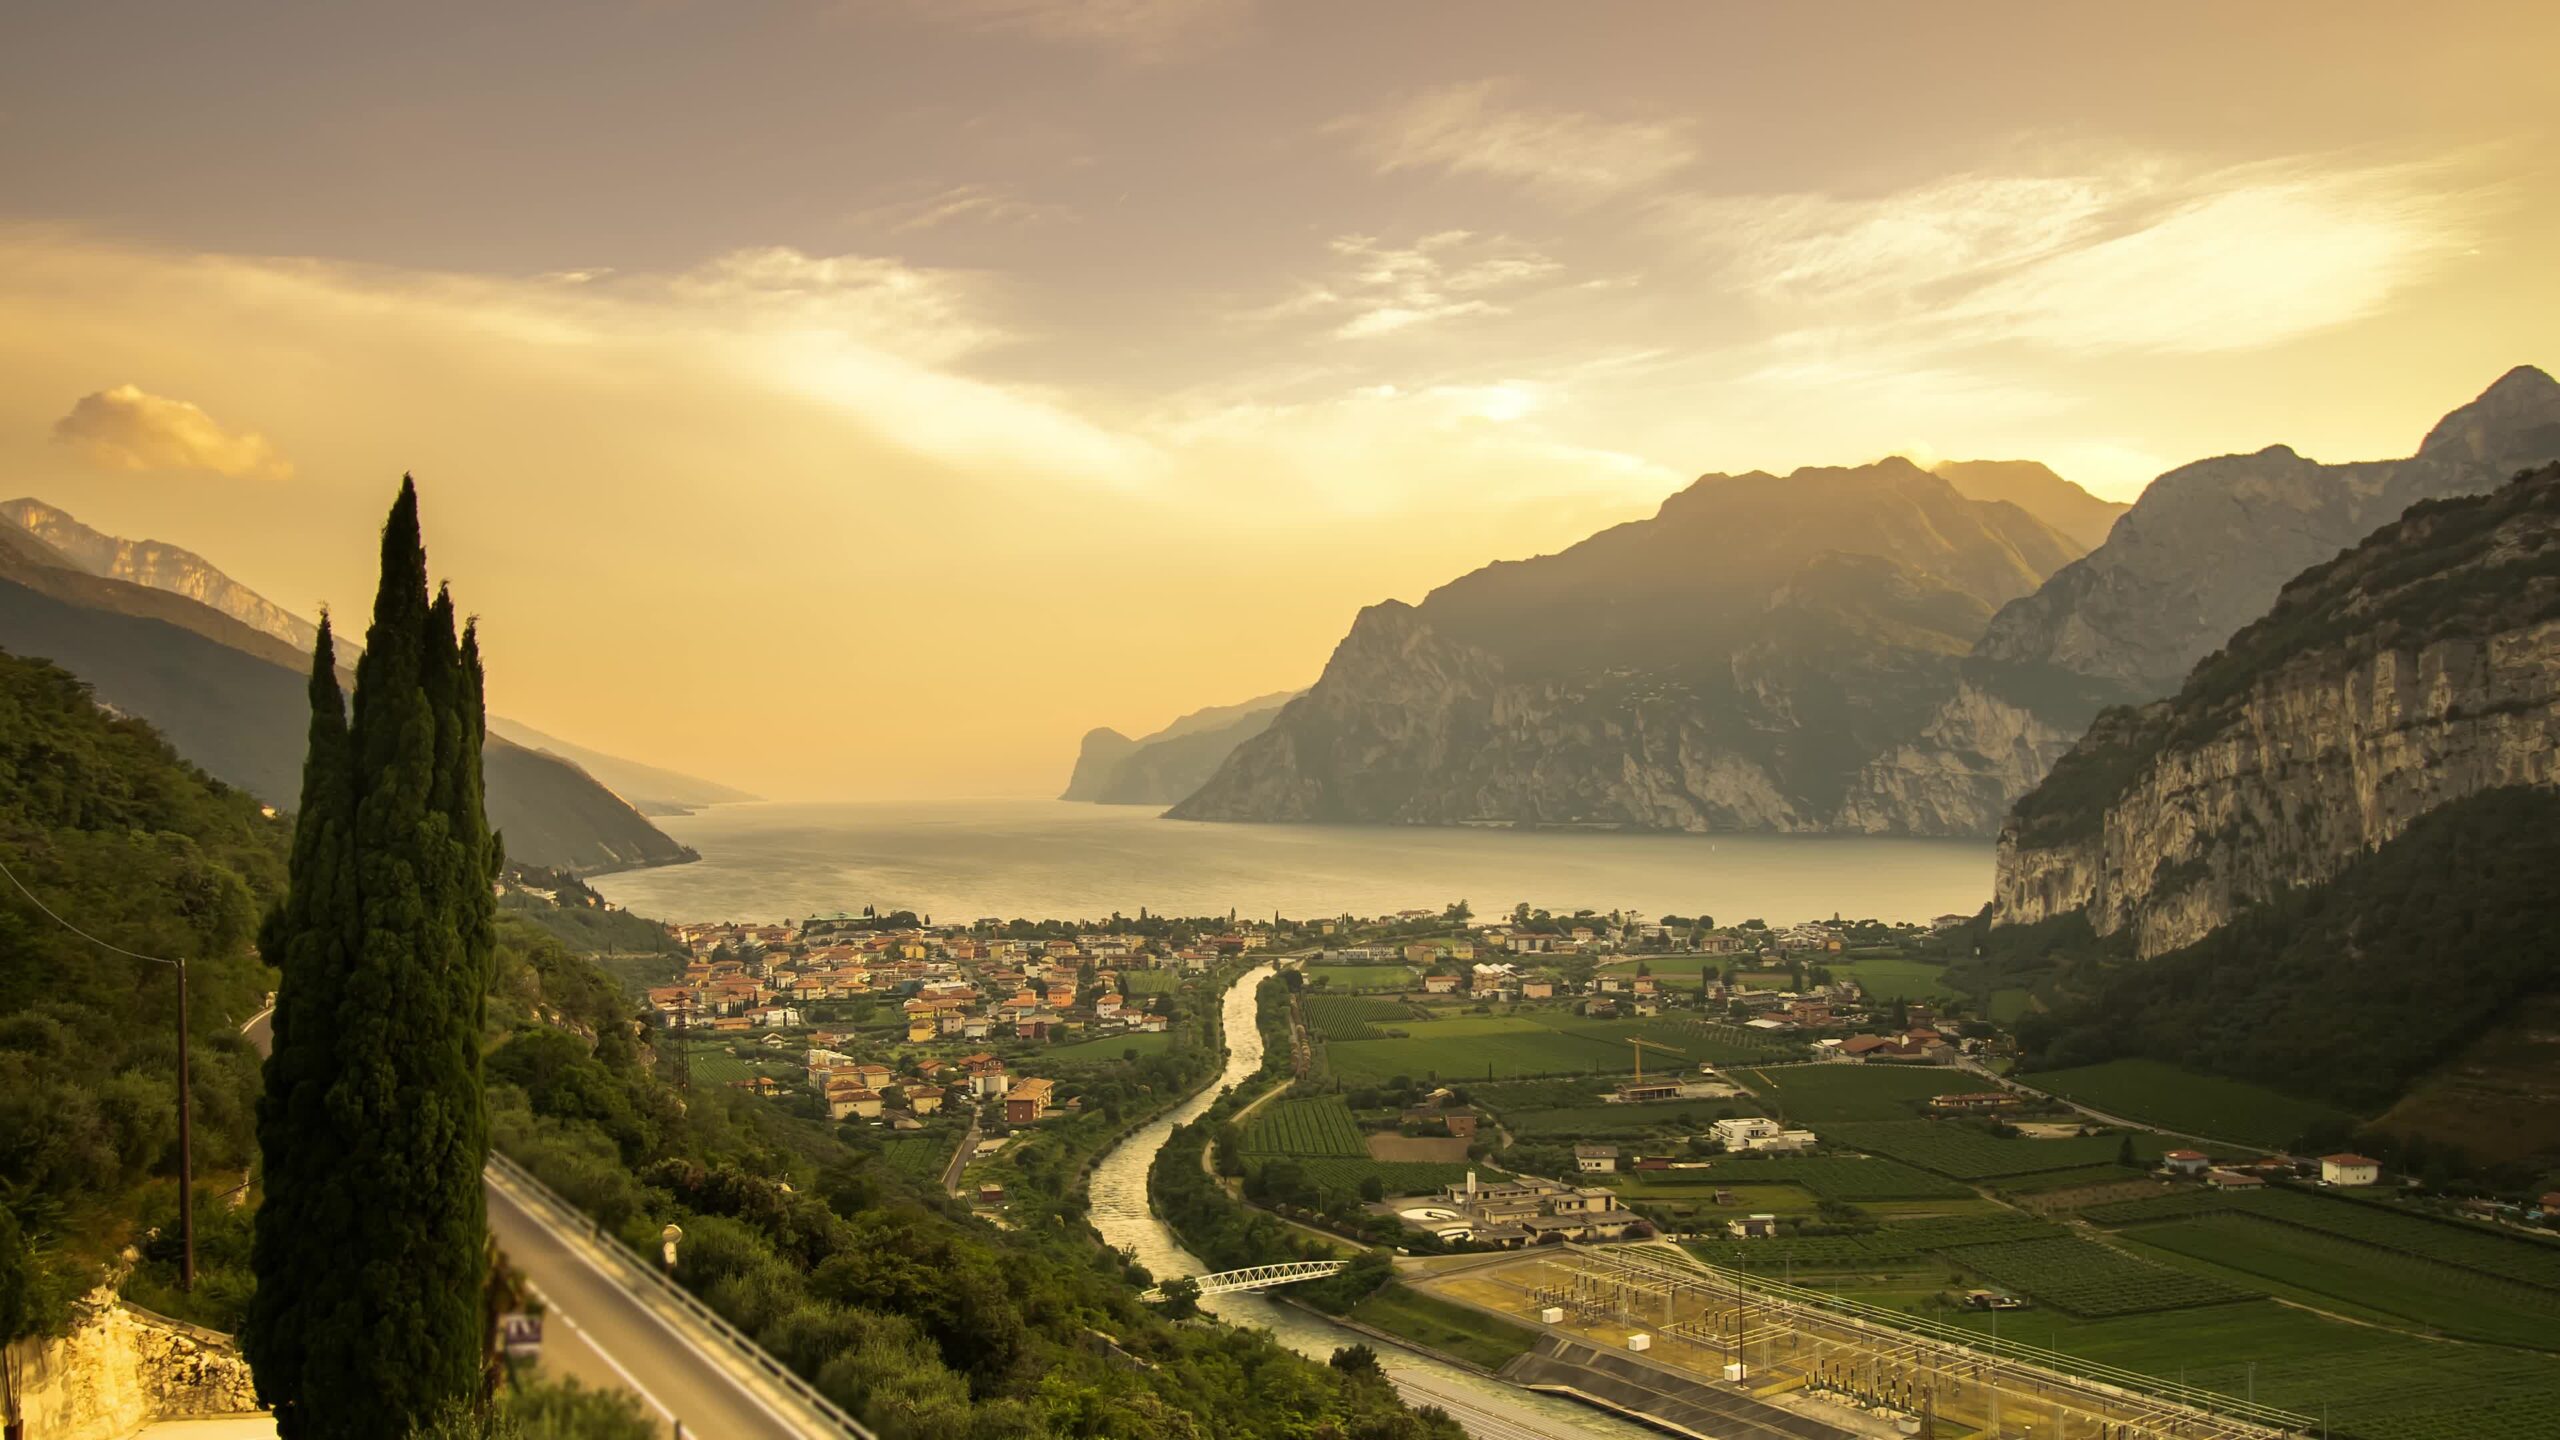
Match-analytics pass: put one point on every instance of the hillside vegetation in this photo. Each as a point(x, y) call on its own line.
point(100, 819)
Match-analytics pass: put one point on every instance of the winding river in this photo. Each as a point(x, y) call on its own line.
point(1490, 1410)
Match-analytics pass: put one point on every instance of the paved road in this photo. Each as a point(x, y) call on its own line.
point(606, 1328)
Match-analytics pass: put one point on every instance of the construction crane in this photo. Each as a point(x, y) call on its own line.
point(1642, 1045)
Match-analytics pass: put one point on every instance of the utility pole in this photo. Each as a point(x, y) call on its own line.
point(186, 1147)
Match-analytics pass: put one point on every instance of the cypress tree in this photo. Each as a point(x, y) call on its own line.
point(376, 1324)
point(300, 1242)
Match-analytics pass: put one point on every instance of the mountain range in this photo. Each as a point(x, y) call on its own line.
point(1727, 664)
point(157, 565)
point(1161, 768)
point(1881, 650)
point(228, 693)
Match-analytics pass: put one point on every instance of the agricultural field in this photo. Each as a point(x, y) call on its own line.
point(2372, 1383)
point(1321, 1125)
point(1109, 1047)
point(1695, 1042)
point(1150, 982)
point(1362, 977)
point(2008, 1007)
point(714, 1062)
point(2080, 1177)
point(1891, 1246)
point(1351, 1017)
point(1683, 969)
point(921, 1156)
point(2175, 1099)
point(2090, 1279)
point(1396, 1177)
point(1833, 1177)
point(1469, 1048)
point(2423, 1293)
point(1888, 980)
point(1677, 1117)
point(2475, 1248)
point(1965, 1153)
point(1512, 1096)
point(1816, 1095)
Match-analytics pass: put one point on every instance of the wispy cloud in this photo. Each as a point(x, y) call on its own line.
point(1379, 288)
point(1144, 30)
point(962, 205)
point(1568, 155)
point(129, 428)
point(2137, 254)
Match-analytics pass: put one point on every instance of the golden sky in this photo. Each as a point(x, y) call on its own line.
point(864, 399)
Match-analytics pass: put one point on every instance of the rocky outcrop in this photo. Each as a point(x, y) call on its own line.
point(123, 1368)
point(2417, 669)
point(1976, 755)
point(1097, 757)
point(1730, 664)
point(1161, 768)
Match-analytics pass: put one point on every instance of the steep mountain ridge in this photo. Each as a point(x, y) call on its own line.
point(2418, 668)
point(1729, 663)
point(231, 699)
point(2205, 549)
point(39, 534)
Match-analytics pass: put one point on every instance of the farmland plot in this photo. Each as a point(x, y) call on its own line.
point(2090, 1279)
point(1319, 1126)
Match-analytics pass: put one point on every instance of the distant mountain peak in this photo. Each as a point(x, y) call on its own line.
point(2519, 411)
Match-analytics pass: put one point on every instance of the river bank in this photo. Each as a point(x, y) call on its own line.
point(1120, 1210)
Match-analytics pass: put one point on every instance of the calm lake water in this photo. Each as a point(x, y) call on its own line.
point(1049, 858)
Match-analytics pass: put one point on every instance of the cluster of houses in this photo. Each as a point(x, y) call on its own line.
point(2342, 1169)
point(952, 984)
point(955, 984)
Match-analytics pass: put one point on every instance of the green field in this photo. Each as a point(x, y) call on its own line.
point(1468, 1048)
point(2090, 1279)
point(2007, 1007)
point(1833, 1177)
point(1351, 1017)
point(2191, 1104)
point(1676, 1117)
point(1899, 1245)
point(2417, 1292)
point(1889, 980)
point(1818, 1094)
point(1150, 982)
point(1110, 1047)
point(2498, 1253)
point(1470, 1335)
point(2371, 1383)
point(1959, 1150)
point(1318, 1126)
point(921, 1156)
point(1397, 1177)
point(1363, 977)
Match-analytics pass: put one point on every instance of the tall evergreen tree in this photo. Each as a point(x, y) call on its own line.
point(302, 1231)
point(376, 1324)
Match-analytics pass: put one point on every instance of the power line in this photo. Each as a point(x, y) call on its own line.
point(74, 929)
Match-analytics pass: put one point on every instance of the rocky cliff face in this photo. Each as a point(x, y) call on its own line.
point(2421, 667)
point(1161, 768)
point(1729, 665)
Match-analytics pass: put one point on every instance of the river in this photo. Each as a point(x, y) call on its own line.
point(1490, 1410)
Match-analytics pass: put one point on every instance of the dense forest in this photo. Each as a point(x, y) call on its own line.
point(111, 830)
point(2343, 992)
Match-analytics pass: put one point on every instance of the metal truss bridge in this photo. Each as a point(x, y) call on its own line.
point(1262, 1277)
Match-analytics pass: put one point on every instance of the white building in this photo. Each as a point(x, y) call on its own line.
point(2349, 1170)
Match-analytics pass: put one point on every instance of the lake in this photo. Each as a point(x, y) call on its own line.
point(963, 860)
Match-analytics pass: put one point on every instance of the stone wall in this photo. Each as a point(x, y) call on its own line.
point(122, 1369)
